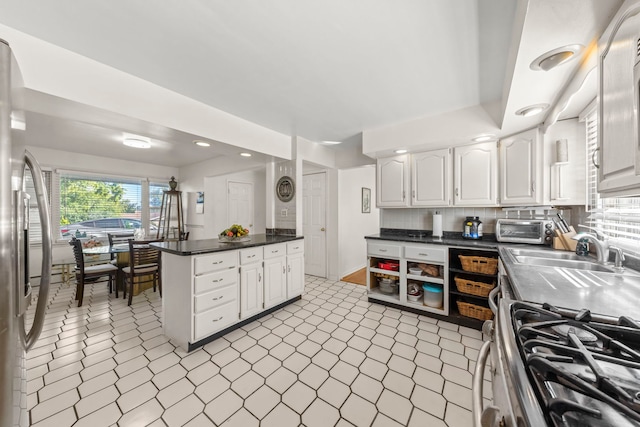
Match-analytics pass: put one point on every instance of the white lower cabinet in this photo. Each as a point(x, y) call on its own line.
point(295, 268)
point(205, 294)
point(417, 265)
point(251, 282)
point(275, 275)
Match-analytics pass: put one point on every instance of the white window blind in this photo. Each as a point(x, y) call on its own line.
point(617, 217)
point(35, 227)
point(91, 206)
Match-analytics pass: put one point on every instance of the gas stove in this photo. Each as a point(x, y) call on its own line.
point(580, 372)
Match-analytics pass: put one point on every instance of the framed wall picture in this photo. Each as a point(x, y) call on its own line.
point(366, 200)
point(200, 202)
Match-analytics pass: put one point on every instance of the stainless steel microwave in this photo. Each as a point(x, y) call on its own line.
point(533, 231)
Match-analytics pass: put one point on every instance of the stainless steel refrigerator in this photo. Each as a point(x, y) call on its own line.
point(15, 288)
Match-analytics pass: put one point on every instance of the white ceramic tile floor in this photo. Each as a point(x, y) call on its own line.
point(330, 359)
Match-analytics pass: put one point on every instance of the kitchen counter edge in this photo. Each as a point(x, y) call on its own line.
point(446, 241)
point(205, 246)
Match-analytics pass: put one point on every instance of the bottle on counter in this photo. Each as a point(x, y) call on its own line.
point(582, 248)
point(472, 228)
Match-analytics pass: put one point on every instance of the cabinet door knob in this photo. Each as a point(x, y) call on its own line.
point(457, 192)
point(322, 229)
point(594, 157)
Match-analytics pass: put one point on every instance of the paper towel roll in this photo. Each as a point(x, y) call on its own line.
point(562, 151)
point(437, 225)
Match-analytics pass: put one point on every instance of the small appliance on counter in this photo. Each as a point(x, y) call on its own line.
point(472, 228)
point(532, 231)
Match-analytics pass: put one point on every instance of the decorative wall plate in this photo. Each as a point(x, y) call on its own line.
point(285, 189)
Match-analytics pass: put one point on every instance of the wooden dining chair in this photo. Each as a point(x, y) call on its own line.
point(117, 239)
point(144, 266)
point(89, 271)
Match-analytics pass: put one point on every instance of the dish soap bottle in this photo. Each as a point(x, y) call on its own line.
point(582, 248)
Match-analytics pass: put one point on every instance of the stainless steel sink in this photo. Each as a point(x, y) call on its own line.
point(533, 253)
point(563, 262)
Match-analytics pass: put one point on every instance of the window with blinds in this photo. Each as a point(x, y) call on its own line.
point(617, 217)
point(156, 191)
point(92, 206)
point(35, 228)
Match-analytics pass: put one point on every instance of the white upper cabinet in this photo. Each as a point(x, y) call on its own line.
point(619, 154)
point(393, 181)
point(431, 178)
point(476, 175)
point(520, 169)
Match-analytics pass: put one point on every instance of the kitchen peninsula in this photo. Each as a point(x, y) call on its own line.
point(211, 287)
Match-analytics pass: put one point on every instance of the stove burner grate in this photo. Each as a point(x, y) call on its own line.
point(580, 361)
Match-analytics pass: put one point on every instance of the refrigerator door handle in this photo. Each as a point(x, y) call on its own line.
point(45, 271)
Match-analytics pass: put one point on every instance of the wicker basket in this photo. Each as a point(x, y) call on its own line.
point(474, 288)
point(474, 311)
point(479, 264)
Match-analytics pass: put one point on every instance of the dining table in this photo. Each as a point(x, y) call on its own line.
point(121, 251)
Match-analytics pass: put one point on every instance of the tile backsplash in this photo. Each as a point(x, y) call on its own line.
point(452, 218)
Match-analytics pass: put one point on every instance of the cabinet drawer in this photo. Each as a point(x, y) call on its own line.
point(425, 253)
point(383, 250)
point(211, 281)
point(211, 321)
point(215, 298)
point(247, 256)
point(274, 251)
point(295, 247)
point(215, 262)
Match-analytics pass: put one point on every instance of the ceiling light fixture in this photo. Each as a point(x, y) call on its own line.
point(332, 142)
point(532, 110)
point(400, 151)
point(136, 141)
point(245, 154)
point(484, 138)
point(202, 143)
point(555, 57)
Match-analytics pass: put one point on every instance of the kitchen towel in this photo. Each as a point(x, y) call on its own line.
point(437, 224)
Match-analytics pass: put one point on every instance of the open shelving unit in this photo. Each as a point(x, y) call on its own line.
point(456, 270)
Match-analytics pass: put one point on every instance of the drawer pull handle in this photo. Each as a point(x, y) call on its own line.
point(383, 250)
point(217, 280)
point(297, 247)
point(275, 252)
point(217, 262)
point(423, 254)
point(219, 318)
point(231, 266)
point(251, 256)
point(217, 298)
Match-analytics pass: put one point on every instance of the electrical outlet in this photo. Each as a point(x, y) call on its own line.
point(284, 212)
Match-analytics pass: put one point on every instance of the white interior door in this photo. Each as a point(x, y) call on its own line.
point(240, 204)
point(314, 224)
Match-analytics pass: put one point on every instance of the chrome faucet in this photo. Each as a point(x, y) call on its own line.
point(619, 258)
point(602, 246)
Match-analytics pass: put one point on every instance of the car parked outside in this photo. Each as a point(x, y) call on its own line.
point(100, 227)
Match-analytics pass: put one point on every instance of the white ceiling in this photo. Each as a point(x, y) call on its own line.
point(323, 70)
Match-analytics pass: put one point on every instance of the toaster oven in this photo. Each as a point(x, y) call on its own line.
point(533, 231)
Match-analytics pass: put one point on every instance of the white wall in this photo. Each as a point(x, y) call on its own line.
point(353, 224)
point(215, 202)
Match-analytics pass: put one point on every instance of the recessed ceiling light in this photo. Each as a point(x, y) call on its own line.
point(484, 138)
point(332, 142)
point(400, 151)
point(245, 154)
point(136, 141)
point(202, 143)
point(532, 110)
point(555, 57)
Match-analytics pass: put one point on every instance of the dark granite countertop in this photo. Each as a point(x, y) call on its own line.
point(196, 247)
point(450, 238)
